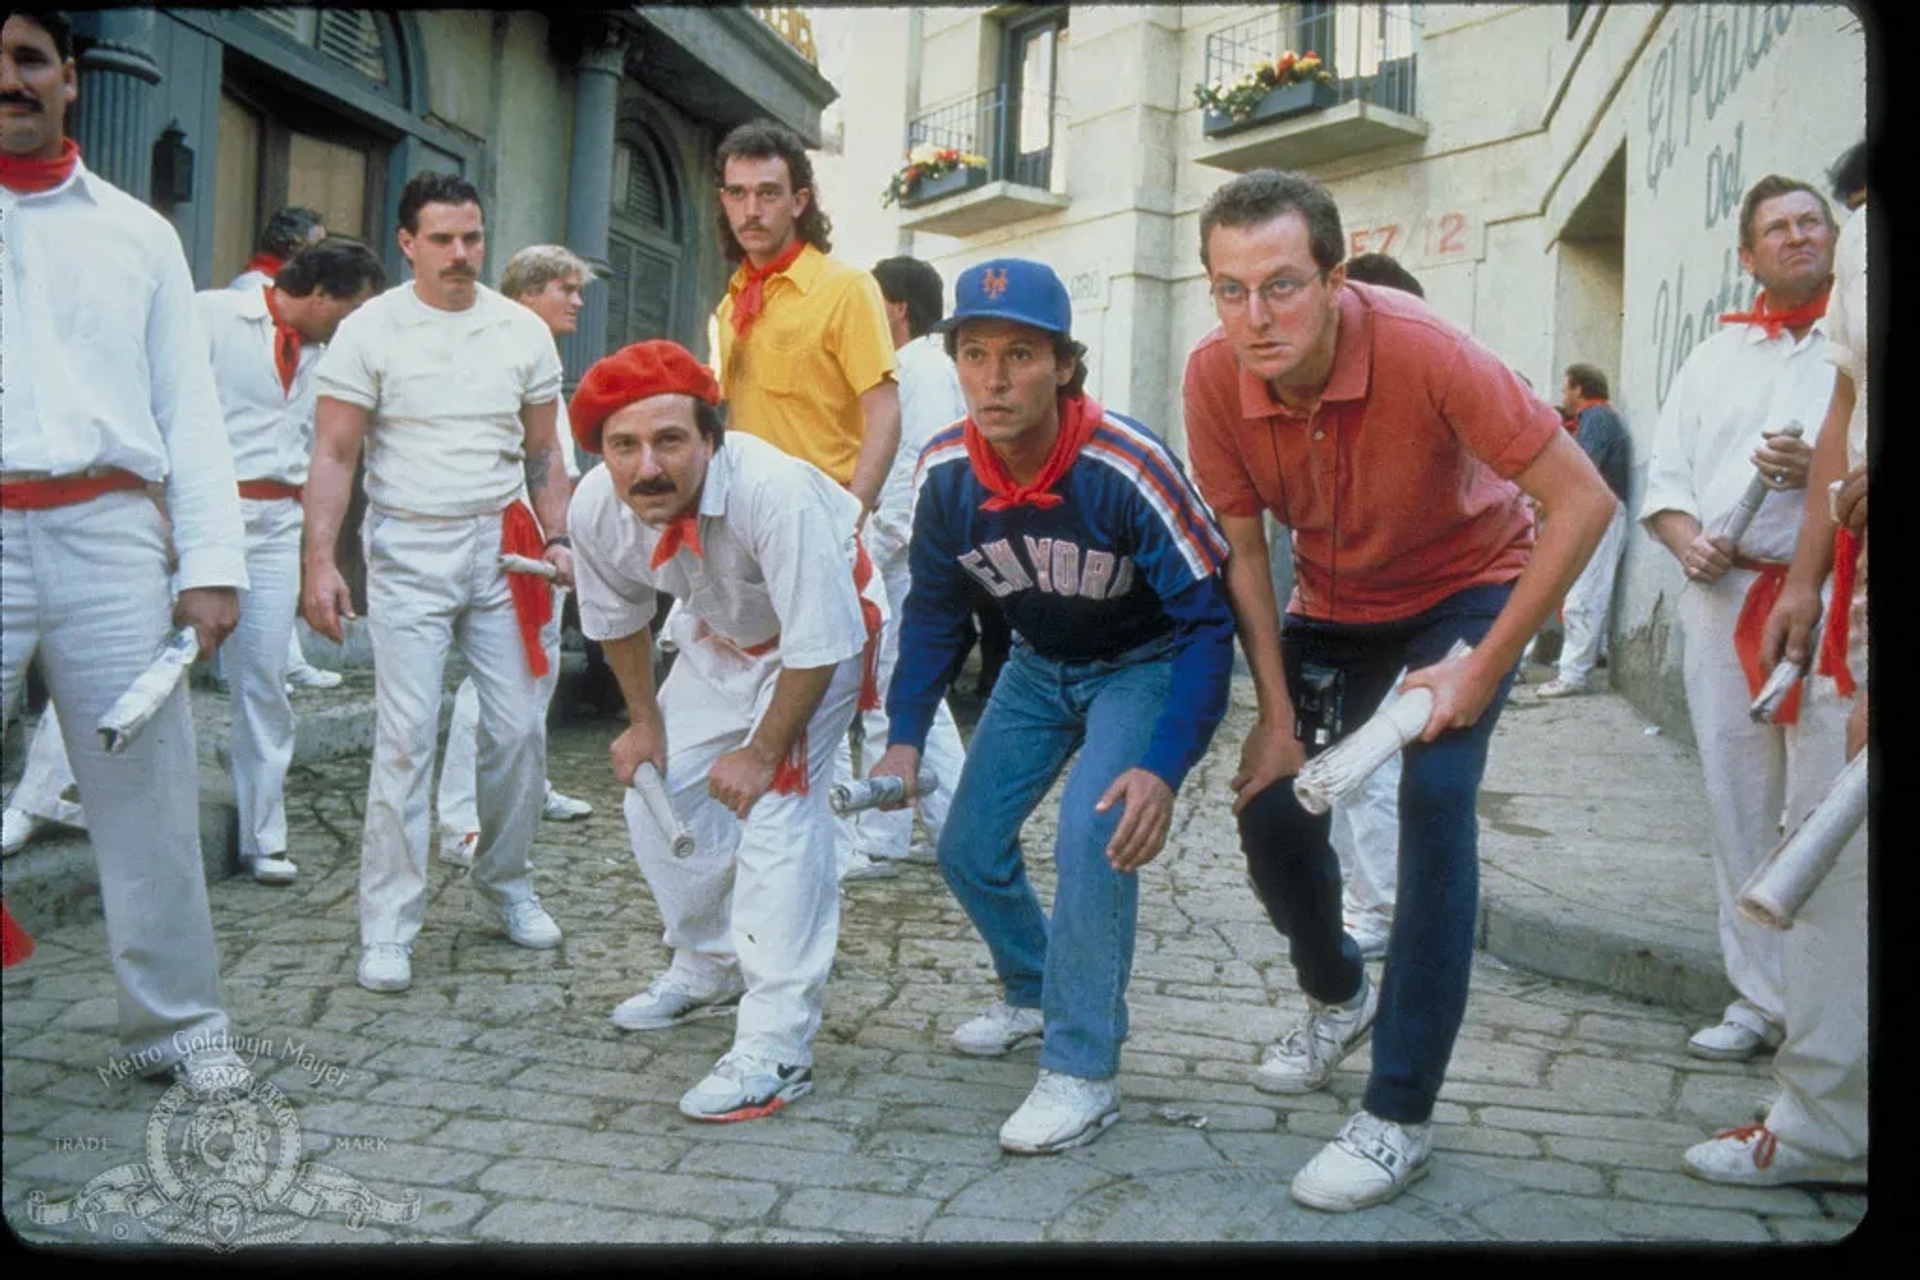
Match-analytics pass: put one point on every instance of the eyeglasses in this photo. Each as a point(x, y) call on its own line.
point(1280, 291)
point(768, 192)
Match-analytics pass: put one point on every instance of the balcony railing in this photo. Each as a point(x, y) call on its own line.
point(978, 126)
point(1365, 49)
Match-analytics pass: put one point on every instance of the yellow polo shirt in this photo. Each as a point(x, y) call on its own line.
point(821, 340)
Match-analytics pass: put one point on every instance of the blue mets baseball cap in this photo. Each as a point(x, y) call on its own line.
point(1016, 289)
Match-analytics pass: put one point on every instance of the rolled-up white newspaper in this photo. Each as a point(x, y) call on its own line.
point(1774, 894)
point(149, 691)
point(653, 794)
point(523, 564)
point(1766, 704)
point(1336, 773)
point(1734, 526)
point(869, 793)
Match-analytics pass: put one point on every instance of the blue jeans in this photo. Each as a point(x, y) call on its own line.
point(1296, 874)
point(1073, 968)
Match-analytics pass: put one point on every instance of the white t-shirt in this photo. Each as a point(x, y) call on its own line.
point(1734, 387)
point(930, 400)
point(270, 427)
point(1847, 326)
point(777, 558)
point(443, 390)
point(102, 363)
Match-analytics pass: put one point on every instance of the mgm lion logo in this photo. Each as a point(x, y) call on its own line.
point(223, 1170)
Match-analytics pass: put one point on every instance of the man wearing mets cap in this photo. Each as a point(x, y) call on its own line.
point(773, 629)
point(1084, 527)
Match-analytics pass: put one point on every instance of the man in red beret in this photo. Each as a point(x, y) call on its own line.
point(776, 608)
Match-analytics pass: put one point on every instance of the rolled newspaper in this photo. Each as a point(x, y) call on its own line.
point(1774, 894)
point(1336, 773)
point(149, 691)
point(522, 564)
point(870, 793)
point(1780, 682)
point(1734, 526)
point(653, 794)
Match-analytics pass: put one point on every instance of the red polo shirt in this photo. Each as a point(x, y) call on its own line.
point(1398, 485)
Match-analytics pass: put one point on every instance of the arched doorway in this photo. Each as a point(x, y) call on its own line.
point(646, 241)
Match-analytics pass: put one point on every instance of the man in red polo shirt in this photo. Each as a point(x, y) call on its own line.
point(1395, 449)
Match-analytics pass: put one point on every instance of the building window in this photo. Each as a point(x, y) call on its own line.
point(355, 39)
point(1029, 67)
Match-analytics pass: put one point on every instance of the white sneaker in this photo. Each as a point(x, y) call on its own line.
point(457, 846)
point(526, 922)
point(743, 1086)
point(1062, 1111)
point(559, 808)
point(313, 678)
point(1754, 1156)
point(1558, 688)
point(1369, 1161)
point(1369, 931)
point(209, 1072)
point(1729, 1042)
point(1305, 1060)
point(271, 868)
point(17, 826)
point(385, 966)
point(670, 1000)
point(999, 1031)
point(864, 868)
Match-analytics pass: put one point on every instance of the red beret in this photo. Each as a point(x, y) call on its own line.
point(656, 368)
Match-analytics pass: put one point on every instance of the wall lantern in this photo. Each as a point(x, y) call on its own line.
point(172, 166)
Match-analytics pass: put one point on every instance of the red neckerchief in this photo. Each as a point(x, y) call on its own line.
point(1833, 640)
point(683, 530)
point(266, 264)
point(18, 173)
point(1774, 321)
point(1079, 415)
point(532, 595)
point(286, 344)
point(752, 296)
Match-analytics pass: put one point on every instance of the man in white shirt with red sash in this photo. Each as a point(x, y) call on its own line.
point(455, 391)
point(777, 609)
point(264, 344)
point(1720, 426)
point(107, 391)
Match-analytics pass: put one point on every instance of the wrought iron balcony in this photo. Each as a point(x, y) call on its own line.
point(1015, 181)
point(1259, 108)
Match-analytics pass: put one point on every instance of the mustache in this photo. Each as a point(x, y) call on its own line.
point(460, 271)
point(26, 100)
point(654, 488)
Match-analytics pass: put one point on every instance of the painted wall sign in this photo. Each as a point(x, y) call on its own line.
point(1423, 239)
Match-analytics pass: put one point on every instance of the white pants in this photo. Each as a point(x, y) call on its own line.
point(760, 894)
point(84, 588)
point(432, 584)
point(44, 779)
point(1753, 772)
point(1821, 1066)
point(296, 656)
point(257, 675)
point(1366, 836)
point(455, 802)
point(1590, 600)
point(887, 835)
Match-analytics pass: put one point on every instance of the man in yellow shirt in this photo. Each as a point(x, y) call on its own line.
point(805, 353)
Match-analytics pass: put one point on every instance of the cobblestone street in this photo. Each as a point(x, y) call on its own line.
point(497, 1091)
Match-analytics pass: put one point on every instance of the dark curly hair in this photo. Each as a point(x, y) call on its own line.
point(765, 140)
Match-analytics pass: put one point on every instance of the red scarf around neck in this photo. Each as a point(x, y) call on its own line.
point(265, 263)
point(1079, 415)
point(751, 299)
point(286, 345)
point(681, 531)
point(25, 175)
point(1774, 321)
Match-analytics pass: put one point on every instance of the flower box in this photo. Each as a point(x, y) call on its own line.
point(952, 183)
point(1279, 104)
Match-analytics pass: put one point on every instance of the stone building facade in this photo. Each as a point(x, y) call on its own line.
point(1564, 179)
